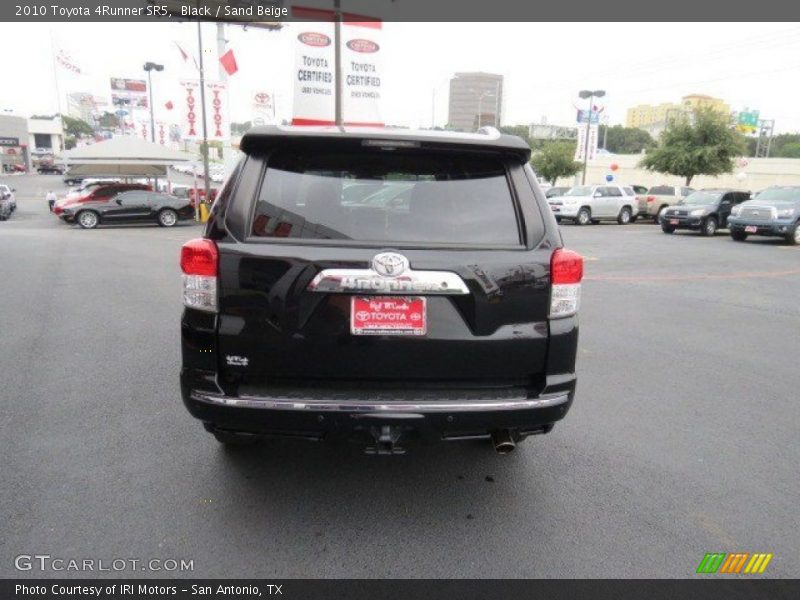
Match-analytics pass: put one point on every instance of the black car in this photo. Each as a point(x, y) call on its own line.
point(774, 212)
point(128, 207)
point(445, 307)
point(704, 211)
point(50, 169)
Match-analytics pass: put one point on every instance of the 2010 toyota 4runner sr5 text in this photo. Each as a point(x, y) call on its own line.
point(380, 284)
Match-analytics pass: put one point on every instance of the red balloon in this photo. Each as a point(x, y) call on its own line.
point(614, 166)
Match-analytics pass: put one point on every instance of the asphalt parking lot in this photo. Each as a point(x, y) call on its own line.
point(683, 438)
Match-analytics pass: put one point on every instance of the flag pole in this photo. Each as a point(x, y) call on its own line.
point(203, 108)
point(55, 76)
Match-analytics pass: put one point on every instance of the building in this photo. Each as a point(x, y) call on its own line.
point(476, 100)
point(13, 143)
point(653, 118)
point(544, 131)
point(695, 101)
point(45, 136)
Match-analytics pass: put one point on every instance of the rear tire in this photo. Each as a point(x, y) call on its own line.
point(167, 217)
point(625, 216)
point(709, 227)
point(87, 219)
point(660, 214)
point(738, 236)
point(584, 216)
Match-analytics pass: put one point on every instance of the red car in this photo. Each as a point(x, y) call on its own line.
point(101, 193)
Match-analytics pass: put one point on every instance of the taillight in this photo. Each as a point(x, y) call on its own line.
point(651, 198)
point(566, 272)
point(199, 262)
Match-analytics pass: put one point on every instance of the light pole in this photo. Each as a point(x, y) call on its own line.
point(149, 67)
point(591, 95)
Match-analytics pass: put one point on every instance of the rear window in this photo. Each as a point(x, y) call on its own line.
point(387, 197)
point(662, 190)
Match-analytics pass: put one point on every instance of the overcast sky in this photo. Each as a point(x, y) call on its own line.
point(749, 65)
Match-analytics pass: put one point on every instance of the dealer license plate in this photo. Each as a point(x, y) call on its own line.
point(673, 221)
point(388, 315)
point(751, 229)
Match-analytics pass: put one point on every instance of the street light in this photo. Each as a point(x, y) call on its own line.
point(151, 66)
point(591, 95)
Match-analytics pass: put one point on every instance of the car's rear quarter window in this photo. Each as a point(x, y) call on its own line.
point(387, 196)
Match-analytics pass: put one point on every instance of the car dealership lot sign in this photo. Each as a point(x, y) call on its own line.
point(315, 73)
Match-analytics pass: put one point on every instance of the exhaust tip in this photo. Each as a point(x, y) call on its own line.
point(503, 442)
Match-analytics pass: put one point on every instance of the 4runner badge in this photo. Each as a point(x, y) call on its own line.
point(237, 361)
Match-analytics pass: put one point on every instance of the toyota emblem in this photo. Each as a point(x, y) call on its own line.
point(389, 264)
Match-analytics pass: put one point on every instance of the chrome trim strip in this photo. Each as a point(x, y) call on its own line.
point(377, 406)
point(368, 281)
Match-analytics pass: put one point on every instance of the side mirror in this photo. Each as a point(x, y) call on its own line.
point(119, 201)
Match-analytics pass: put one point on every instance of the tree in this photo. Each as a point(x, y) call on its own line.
point(625, 140)
point(555, 160)
point(76, 127)
point(702, 143)
point(240, 128)
point(108, 121)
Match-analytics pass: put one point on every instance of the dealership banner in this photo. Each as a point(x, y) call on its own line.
point(129, 93)
point(593, 137)
point(314, 86)
point(217, 120)
point(361, 73)
point(315, 72)
point(263, 107)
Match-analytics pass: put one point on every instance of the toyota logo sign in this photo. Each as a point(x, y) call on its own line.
point(389, 264)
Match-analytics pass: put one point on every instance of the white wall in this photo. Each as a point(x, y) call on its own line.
point(760, 173)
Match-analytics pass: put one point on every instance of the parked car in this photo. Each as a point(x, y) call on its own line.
point(586, 204)
point(659, 197)
point(773, 212)
point(704, 211)
point(130, 207)
point(49, 168)
point(445, 314)
point(73, 179)
point(556, 191)
point(95, 193)
point(10, 194)
point(5, 206)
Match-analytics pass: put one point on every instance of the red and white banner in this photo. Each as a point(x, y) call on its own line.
point(361, 73)
point(314, 75)
point(581, 147)
point(217, 121)
point(263, 108)
point(314, 85)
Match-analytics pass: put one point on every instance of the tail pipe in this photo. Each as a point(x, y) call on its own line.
point(503, 441)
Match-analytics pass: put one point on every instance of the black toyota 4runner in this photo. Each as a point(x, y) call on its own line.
point(380, 284)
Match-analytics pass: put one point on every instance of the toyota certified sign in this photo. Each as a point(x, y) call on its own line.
point(311, 38)
point(361, 45)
